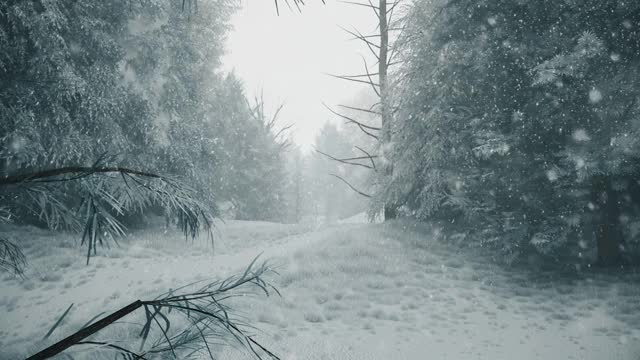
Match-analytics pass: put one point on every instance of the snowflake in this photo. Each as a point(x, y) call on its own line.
point(595, 96)
point(580, 135)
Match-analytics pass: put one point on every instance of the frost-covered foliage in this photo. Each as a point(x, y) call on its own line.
point(519, 123)
point(137, 79)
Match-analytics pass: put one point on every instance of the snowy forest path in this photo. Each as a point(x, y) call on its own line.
point(390, 291)
point(148, 264)
point(349, 291)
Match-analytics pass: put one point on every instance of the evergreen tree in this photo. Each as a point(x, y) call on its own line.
point(93, 86)
point(518, 123)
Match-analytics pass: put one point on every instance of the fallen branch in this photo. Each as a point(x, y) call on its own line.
point(205, 310)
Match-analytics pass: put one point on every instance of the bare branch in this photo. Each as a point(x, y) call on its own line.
point(281, 131)
point(361, 109)
point(373, 85)
point(393, 6)
point(351, 78)
point(351, 186)
point(270, 123)
point(371, 157)
point(349, 119)
point(390, 11)
point(358, 76)
point(392, 55)
point(344, 161)
point(366, 36)
point(375, 8)
point(358, 4)
point(359, 36)
point(366, 132)
point(363, 127)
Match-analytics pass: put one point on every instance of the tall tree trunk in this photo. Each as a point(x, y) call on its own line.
point(608, 233)
point(390, 211)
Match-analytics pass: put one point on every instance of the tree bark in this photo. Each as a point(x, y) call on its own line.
point(390, 211)
point(608, 233)
point(69, 341)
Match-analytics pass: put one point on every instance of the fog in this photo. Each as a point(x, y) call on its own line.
point(224, 179)
point(291, 54)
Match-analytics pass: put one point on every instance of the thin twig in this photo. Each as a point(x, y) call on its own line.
point(344, 161)
point(351, 186)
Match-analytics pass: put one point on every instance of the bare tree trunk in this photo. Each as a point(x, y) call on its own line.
point(383, 64)
point(382, 59)
point(384, 54)
point(608, 233)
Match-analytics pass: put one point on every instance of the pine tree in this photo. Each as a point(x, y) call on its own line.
point(517, 122)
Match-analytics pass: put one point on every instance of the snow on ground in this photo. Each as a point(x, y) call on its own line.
point(350, 291)
point(360, 218)
point(377, 292)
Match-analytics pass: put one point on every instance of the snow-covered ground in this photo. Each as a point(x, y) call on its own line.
point(349, 291)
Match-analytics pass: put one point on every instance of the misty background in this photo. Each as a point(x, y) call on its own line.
point(288, 179)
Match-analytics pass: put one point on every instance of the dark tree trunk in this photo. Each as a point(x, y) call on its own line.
point(608, 233)
point(390, 212)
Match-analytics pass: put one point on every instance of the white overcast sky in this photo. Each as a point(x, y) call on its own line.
point(289, 55)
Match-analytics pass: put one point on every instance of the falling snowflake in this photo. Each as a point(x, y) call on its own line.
point(595, 96)
point(18, 144)
point(580, 135)
point(552, 175)
point(492, 21)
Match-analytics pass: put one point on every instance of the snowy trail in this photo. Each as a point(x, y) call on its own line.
point(110, 283)
point(357, 291)
point(376, 292)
